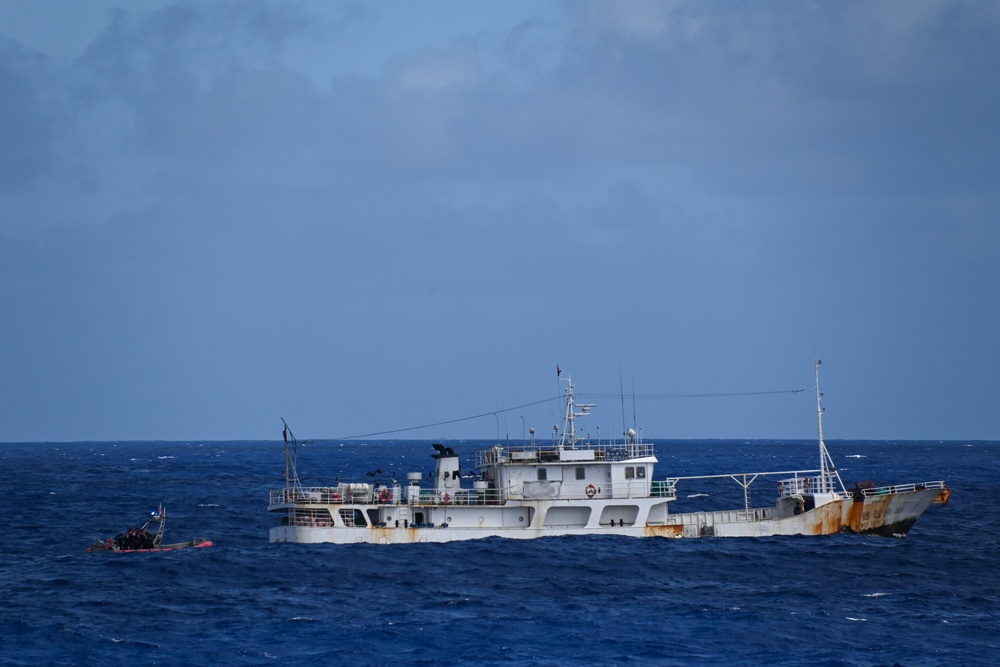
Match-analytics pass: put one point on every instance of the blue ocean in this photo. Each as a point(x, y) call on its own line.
point(930, 599)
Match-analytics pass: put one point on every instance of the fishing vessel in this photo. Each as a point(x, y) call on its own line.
point(146, 539)
point(572, 486)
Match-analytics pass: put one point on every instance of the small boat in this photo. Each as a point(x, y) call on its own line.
point(146, 539)
point(573, 486)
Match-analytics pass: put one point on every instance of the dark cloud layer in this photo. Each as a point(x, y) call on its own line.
point(199, 235)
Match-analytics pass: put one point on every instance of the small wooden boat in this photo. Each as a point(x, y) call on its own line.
point(146, 539)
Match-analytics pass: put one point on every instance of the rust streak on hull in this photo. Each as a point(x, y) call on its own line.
point(664, 531)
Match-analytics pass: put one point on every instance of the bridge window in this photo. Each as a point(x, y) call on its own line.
point(542, 474)
point(581, 472)
point(640, 472)
point(629, 472)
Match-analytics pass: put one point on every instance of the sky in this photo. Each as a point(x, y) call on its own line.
point(367, 216)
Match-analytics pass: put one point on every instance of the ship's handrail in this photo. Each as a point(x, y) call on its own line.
point(528, 454)
point(319, 495)
point(902, 488)
point(368, 495)
point(721, 516)
point(810, 482)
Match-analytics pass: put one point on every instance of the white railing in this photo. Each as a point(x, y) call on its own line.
point(530, 454)
point(805, 483)
point(380, 496)
point(902, 488)
point(366, 494)
point(320, 495)
point(720, 517)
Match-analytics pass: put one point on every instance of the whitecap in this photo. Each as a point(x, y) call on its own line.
point(860, 620)
point(855, 456)
point(873, 595)
point(698, 495)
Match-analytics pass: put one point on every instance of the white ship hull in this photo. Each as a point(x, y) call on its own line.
point(887, 512)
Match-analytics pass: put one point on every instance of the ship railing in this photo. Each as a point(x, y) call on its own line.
point(902, 488)
point(663, 488)
point(809, 482)
point(345, 494)
point(309, 518)
point(801, 482)
point(323, 495)
point(529, 454)
point(721, 516)
point(382, 495)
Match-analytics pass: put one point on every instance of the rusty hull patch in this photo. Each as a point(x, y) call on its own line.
point(880, 516)
point(396, 535)
point(826, 519)
point(664, 531)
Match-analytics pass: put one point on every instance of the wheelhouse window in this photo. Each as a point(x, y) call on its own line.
point(581, 472)
point(635, 472)
point(542, 474)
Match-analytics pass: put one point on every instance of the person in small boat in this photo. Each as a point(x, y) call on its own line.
point(135, 539)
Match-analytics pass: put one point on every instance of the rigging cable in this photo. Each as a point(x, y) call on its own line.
point(556, 398)
point(449, 421)
point(724, 395)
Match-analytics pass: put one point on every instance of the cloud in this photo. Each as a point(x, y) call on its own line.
point(190, 210)
point(436, 69)
point(26, 117)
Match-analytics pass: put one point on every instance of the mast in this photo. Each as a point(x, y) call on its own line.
point(568, 435)
point(828, 471)
point(291, 454)
point(819, 414)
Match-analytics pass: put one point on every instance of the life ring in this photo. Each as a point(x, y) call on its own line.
point(384, 495)
point(591, 491)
